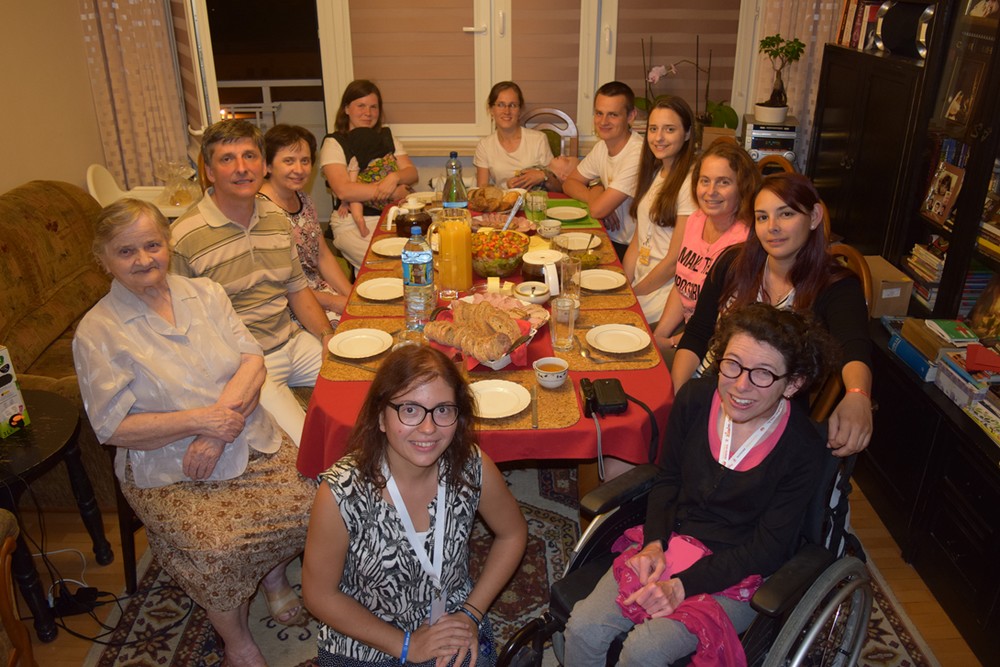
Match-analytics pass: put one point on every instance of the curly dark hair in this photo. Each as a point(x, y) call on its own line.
point(405, 368)
point(807, 348)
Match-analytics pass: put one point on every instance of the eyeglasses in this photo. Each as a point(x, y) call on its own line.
point(513, 106)
point(759, 377)
point(414, 414)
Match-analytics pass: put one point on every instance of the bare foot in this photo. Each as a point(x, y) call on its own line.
point(243, 656)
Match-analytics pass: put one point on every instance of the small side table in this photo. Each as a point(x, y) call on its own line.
point(50, 438)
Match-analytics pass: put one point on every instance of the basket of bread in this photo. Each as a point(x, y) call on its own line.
point(491, 199)
point(489, 329)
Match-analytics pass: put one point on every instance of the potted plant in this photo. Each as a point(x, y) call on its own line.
point(715, 114)
point(781, 52)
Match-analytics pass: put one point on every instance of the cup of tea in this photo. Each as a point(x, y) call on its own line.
point(551, 372)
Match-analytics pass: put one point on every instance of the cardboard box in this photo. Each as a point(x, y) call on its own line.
point(891, 288)
point(13, 413)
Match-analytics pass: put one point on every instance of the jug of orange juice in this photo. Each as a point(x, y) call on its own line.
point(454, 230)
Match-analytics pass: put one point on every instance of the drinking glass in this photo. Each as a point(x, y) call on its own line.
point(536, 203)
point(562, 322)
point(569, 277)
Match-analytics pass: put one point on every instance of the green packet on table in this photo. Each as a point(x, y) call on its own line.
point(564, 211)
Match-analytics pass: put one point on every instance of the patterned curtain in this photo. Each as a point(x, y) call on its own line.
point(131, 60)
point(815, 22)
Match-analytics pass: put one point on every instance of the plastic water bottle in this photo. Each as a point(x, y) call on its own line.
point(455, 195)
point(418, 281)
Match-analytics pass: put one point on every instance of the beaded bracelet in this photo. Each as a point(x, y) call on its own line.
point(470, 615)
point(406, 648)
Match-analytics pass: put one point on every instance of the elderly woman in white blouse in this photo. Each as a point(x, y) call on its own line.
point(171, 377)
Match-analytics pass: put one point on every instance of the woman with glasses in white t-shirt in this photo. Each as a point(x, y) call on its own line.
point(513, 156)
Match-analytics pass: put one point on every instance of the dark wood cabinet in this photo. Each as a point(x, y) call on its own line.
point(866, 114)
point(933, 476)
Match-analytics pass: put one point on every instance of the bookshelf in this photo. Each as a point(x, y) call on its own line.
point(904, 152)
point(957, 189)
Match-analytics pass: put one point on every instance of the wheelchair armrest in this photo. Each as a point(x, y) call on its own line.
point(628, 486)
point(783, 589)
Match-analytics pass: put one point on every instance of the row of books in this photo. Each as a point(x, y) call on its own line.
point(925, 264)
point(857, 24)
point(949, 354)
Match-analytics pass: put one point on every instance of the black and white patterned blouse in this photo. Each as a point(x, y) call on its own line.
point(381, 571)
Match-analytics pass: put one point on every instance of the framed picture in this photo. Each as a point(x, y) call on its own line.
point(943, 192)
point(982, 8)
point(963, 92)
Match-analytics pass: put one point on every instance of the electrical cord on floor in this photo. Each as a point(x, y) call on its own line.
point(90, 595)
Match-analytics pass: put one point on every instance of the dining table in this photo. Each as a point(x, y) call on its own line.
point(552, 427)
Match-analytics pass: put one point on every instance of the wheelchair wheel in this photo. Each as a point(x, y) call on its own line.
point(526, 647)
point(829, 625)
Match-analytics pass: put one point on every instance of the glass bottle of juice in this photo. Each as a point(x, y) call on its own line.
point(455, 246)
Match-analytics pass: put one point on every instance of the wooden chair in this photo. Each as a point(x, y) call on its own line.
point(202, 175)
point(16, 645)
point(128, 523)
point(829, 393)
point(770, 164)
point(558, 124)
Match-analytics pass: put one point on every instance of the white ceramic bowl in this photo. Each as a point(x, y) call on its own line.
point(547, 374)
point(532, 291)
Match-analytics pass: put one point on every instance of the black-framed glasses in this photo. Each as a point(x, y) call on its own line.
point(414, 414)
point(759, 377)
point(514, 106)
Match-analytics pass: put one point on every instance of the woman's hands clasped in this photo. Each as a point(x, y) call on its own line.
point(452, 636)
point(218, 425)
point(658, 598)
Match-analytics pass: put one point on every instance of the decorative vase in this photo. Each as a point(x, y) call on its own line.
point(769, 115)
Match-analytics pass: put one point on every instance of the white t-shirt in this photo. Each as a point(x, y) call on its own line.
point(657, 238)
point(333, 153)
point(532, 151)
point(618, 172)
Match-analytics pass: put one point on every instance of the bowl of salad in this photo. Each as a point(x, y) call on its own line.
point(497, 253)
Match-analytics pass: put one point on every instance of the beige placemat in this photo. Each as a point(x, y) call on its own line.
point(333, 369)
point(557, 408)
point(357, 306)
point(645, 358)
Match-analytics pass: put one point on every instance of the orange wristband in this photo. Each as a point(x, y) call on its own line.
point(859, 390)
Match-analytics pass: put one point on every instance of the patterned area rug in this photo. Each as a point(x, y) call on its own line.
point(160, 627)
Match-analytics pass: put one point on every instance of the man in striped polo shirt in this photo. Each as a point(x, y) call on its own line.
point(246, 245)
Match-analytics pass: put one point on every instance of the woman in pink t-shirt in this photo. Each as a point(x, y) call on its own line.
point(724, 180)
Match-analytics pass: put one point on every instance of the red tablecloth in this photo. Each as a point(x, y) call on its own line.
point(336, 404)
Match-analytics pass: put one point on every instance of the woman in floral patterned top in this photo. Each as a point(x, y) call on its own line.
point(290, 153)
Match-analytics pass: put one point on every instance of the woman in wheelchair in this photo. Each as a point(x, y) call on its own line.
point(740, 462)
point(386, 567)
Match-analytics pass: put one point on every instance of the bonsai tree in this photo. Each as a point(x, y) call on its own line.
point(781, 52)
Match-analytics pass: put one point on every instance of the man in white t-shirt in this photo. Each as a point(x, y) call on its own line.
point(614, 160)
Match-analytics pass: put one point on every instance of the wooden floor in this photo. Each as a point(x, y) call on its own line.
point(64, 531)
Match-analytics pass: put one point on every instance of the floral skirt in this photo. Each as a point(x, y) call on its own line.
point(218, 539)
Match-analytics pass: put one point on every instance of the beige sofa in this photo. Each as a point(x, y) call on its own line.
point(48, 279)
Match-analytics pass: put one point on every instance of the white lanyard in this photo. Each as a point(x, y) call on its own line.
point(727, 437)
point(433, 569)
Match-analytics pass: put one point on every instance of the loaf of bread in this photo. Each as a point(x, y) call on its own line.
point(479, 330)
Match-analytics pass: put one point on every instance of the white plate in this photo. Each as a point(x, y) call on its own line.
point(618, 338)
point(360, 343)
point(601, 280)
point(499, 398)
point(577, 241)
point(381, 289)
point(566, 213)
point(423, 197)
point(391, 247)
